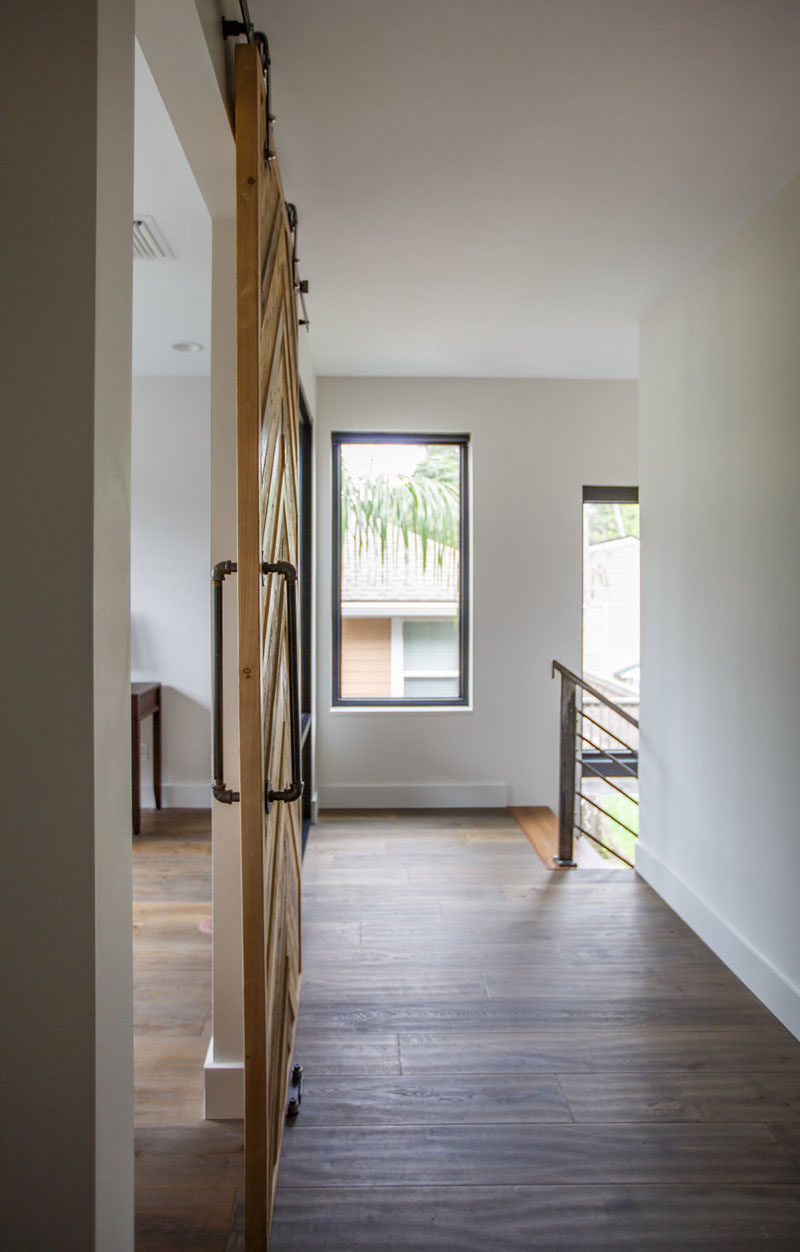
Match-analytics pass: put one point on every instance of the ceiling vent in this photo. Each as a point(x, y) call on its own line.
point(148, 242)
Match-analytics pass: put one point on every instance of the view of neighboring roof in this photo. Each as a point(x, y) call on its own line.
point(595, 545)
point(399, 574)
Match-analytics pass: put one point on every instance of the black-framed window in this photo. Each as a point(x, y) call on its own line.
point(400, 569)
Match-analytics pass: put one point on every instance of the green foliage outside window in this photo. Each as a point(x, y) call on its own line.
point(425, 503)
point(612, 521)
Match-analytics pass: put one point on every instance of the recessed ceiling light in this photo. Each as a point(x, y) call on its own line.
point(188, 345)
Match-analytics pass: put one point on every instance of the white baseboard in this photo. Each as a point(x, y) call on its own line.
point(772, 987)
point(179, 795)
point(224, 1088)
point(413, 796)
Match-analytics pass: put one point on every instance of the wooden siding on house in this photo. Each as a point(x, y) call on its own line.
point(366, 658)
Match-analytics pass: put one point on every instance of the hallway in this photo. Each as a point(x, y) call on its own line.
point(496, 1057)
point(501, 1057)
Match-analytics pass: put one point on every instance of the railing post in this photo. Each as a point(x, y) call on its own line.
point(566, 775)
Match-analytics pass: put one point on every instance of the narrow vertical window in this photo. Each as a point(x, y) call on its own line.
point(611, 593)
point(609, 807)
point(400, 570)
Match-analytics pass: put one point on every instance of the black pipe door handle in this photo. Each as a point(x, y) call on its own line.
point(218, 787)
point(295, 788)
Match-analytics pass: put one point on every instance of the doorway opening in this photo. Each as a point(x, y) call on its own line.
point(170, 625)
point(305, 576)
point(611, 627)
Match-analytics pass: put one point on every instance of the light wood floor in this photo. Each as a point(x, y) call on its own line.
point(501, 1057)
point(187, 1170)
point(540, 827)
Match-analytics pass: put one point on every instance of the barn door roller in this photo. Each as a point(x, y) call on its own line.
point(231, 30)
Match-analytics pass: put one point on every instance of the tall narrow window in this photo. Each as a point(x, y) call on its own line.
point(611, 591)
point(400, 569)
point(609, 749)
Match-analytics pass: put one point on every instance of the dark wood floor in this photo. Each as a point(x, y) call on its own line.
point(502, 1057)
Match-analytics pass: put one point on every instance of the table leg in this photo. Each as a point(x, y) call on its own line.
point(157, 755)
point(135, 801)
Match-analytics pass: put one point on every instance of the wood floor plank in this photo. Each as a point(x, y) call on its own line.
point(383, 874)
point(339, 906)
point(351, 960)
point(788, 1134)
point(515, 1154)
point(585, 932)
point(419, 1101)
point(521, 980)
point(183, 1219)
point(604, 1049)
point(706, 1097)
point(399, 980)
point(234, 1241)
point(334, 1053)
point(459, 1013)
point(327, 936)
point(548, 1219)
point(540, 826)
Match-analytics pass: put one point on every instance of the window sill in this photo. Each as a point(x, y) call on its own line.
point(400, 708)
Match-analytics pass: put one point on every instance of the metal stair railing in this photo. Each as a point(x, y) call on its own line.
point(575, 763)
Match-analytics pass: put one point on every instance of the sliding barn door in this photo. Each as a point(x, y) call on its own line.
point(267, 390)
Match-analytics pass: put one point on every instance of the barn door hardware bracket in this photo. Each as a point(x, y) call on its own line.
point(295, 1091)
point(231, 30)
point(301, 285)
point(218, 788)
point(295, 789)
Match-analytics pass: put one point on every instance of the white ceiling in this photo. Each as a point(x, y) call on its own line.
point(171, 299)
point(503, 189)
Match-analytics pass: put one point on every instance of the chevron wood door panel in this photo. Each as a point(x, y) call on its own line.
point(267, 495)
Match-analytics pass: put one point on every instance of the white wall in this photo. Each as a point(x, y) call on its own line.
point(534, 444)
point(66, 1045)
point(308, 376)
point(720, 451)
point(170, 565)
point(113, 1058)
point(178, 41)
point(226, 1043)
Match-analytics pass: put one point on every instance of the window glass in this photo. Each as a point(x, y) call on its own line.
point(607, 808)
point(431, 686)
point(430, 645)
point(399, 569)
point(611, 589)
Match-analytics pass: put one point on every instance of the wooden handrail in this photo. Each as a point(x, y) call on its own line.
point(579, 682)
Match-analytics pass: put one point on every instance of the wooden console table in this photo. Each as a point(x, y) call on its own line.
point(145, 702)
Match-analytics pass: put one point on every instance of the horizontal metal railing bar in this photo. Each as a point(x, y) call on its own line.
point(606, 813)
point(606, 779)
point(600, 844)
point(579, 682)
point(610, 761)
point(606, 731)
point(615, 759)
